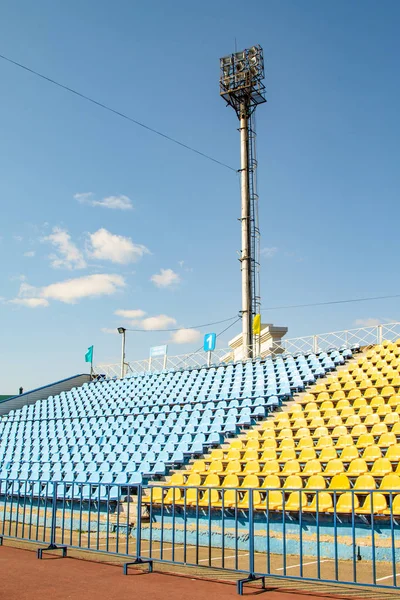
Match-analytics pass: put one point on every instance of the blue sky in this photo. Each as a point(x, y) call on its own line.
point(140, 224)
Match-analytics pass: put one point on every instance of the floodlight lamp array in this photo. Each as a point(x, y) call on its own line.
point(241, 77)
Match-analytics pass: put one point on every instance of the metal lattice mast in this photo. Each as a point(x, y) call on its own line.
point(241, 86)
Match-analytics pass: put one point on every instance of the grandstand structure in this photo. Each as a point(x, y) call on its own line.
point(236, 457)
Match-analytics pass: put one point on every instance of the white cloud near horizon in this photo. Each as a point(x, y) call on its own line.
point(185, 336)
point(30, 253)
point(110, 330)
point(157, 322)
point(130, 314)
point(70, 290)
point(165, 278)
point(104, 245)
point(68, 254)
point(269, 252)
point(120, 202)
point(368, 322)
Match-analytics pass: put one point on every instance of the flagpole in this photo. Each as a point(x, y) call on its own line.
point(91, 365)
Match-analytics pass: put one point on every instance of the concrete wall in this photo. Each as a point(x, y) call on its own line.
point(52, 389)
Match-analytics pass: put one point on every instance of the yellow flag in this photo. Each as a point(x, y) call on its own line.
point(257, 324)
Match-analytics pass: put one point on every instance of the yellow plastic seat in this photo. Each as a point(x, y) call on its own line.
point(310, 406)
point(346, 412)
point(395, 511)
point(387, 439)
point(358, 466)
point(349, 453)
point(267, 435)
point(271, 467)
point(269, 443)
point(366, 387)
point(358, 430)
point(253, 434)
point(211, 480)
point(232, 467)
point(250, 455)
point(334, 467)
point(354, 393)
point(299, 424)
point(267, 425)
point(384, 410)
point(394, 400)
point(199, 466)
point(364, 411)
point(334, 422)
point(377, 401)
point(371, 420)
point(155, 495)
point(302, 432)
point(317, 422)
point(340, 482)
point(233, 454)
point(230, 498)
point(296, 501)
point(287, 443)
point(273, 482)
point(250, 481)
point(268, 454)
point(173, 496)
point(327, 454)
point(294, 482)
point(344, 441)
point(284, 434)
point(396, 428)
point(230, 481)
point(338, 431)
point(215, 467)
point(343, 402)
point(388, 391)
point(291, 467)
point(316, 482)
point(324, 442)
point(353, 420)
point(192, 496)
point(252, 444)
point(252, 466)
point(339, 395)
point(295, 409)
point(372, 453)
point(365, 440)
point(245, 501)
point(307, 398)
point(374, 503)
point(217, 454)
point(321, 432)
point(274, 499)
point(391, 418)
point(287, 454)
point(378, 429)
point(365, 482)
point(305, 442)
point(345, 503)
point(176, 479)
point(390, 482)
point(327, 405)
point(238, 444)
point(210, 497)
point(320, 387)
point(321, 502)
point(193, 479)
point(359, 402)
point(393, 453)
point(312, 467)
point(381, 467)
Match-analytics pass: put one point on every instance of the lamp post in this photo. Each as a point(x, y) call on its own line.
point(242, 88)
point(122, 331)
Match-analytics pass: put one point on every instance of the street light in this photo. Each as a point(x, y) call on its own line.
point(122, 331)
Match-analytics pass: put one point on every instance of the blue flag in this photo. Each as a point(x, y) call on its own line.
point(89, 355)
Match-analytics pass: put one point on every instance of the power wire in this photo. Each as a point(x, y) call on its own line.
point(116, 112)
point(179, 328)
point(330, 302)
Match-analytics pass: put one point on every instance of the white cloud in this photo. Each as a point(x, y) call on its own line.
point(30, 302)
point(368, 322)
point(157, 322)
point(269, 252)
point(30, 253)
point(165, 278)
point(104, 245)
point(114, 202)
point(185, 336)
point(109, 330)
point(18, 238)
point(130, 314)
point(70, 290)
point(69, 256)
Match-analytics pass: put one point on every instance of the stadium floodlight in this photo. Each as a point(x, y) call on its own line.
point(241, 86)
point(122, 331)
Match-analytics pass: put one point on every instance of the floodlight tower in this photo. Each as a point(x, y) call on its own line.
point(241, 86)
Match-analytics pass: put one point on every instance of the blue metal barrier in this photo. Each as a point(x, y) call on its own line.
point(338, 536)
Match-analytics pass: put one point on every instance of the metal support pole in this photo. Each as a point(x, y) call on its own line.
point(245, 222)
point(123, 354)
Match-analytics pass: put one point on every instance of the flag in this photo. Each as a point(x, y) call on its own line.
point(89, 355)
point(257, 324)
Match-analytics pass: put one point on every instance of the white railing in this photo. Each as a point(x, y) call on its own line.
point(364, 336)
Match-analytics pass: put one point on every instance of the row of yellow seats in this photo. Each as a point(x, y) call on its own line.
point(357, 466)
point(368, 453)
point(341, 481)
point(337, 395)
point(321, 437)
point(385, 415)
point(341, 405)
point(318, 428)
point(375, 502)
